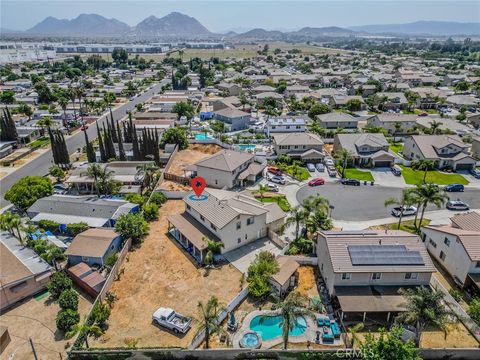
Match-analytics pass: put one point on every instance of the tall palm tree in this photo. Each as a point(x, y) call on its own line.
point(425, 307)
point(45, 123)
point(16, 223)
point(318, 220)
point(208, 321)
point(314, 203)
point(343, 157)
point(148, 174)
point(72, 96)
point(298, 216)
point(79, 90)
point(84, 330)
point(53, 254)
point(109, 98)
point(63, 102)
point(102, 177)
point(291, 308)
point(353, 330)
point(425, 165)
point(427, 194)
point(6, 222)
point(213, 248)
point(435, 126)
point(405, 200)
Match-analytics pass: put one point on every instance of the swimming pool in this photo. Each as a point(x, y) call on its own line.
point(246, 146)
point(202, 137)
point(269, 326)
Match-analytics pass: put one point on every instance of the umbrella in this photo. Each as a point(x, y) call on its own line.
point(232, 319)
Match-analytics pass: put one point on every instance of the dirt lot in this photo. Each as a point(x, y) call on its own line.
point(36, 319)
point(194, 153)
point(306, 281)
point(160, 274)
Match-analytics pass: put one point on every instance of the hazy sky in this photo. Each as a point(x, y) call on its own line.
point(224, 15)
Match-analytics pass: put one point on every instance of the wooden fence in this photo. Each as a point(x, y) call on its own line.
point(275, 238)
point(176, 178)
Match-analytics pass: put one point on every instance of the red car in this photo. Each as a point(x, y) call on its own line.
point(316, 182)
point(274, 170)
point(423, 114)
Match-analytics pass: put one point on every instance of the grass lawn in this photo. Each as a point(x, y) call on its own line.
point(407, 225)
point(281, 200)
point(39, 142)
point(301, 175)
point(416, 177)
point(396, 147)
point(352, 173)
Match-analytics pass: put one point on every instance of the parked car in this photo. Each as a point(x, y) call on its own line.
point(329, 162)
point(320, 167)
point(272, 187)
point(454, 188)
point(274, 170)
point(316, 182)
point(423, 114)
point(278, 179)
point(311, 167)
point(475, 173)
point(396, 170)
point(332, 172)
point(407, 211)
point(353, 182)
point(457, 205)
point(172, 320)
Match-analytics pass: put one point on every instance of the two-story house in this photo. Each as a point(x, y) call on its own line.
point(447, 151)
point(394, 123)
point(335, 120)
point(305, 146)
point(228, 169)
point(365, 149)
point(365, 270)
point(285, 125)
point(234, 119)
point(229, 217)
point(394, 100)
point(456, 247)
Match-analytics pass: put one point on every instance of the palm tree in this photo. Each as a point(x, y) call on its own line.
point(45, 122)
point(318, 220)
point(73, 96)
point(406, 199)
point(262, 189)
point(213, 248)
point(16, 223)
point(109, 98)
point(353, 330)
point(343, 157)
point(208, 321)
point(63, 102)
point(52, 255)
point(291, 308)
point(6, 222)
point(314, 203)
point(427, 194)
point(425, 165)
point(424, 307)
point(434, 126)
point(148, 173)
point(79, 94)
point(298, 216)
point(102, 177)
point(84, 330)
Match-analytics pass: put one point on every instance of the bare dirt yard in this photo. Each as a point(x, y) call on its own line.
point(159, 274)
point(35, 318)
point(194, 153)
point(307, 281)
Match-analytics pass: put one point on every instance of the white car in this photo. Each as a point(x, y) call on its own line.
point(311, 167)
point(457, 205)
point(277, 179)
point(329, 162)
point(407, 211)
point(320, 167)
point(172, 320)
point(272, 187)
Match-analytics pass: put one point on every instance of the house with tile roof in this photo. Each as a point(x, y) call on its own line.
point(304, 146)
point(232, 218)
point(335, 120)
point(234, 119)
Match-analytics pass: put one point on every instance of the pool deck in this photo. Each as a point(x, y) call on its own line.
point(308, 336)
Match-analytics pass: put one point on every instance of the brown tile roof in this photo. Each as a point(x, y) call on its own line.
point(226, 160)
point(467, 221)
point(468, 238)
point(92, 242)
point(192, 230)
point(11, 268)
point(287, 267)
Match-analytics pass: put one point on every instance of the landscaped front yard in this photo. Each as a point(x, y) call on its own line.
point(299, 173)
point(281, 200)
point(396, 147)
point(362, 175)
point(414, 177)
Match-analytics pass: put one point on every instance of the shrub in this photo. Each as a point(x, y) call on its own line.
point(474, 310)
point(111, 260)
point(67, 319)
point(158, 198)
point(26, 191)
point(77, 228)
point(59, 282)
point(48, 225)
point(132, 226)
point(68, 300)
point(135, 198)
point(456, 294)
point(101, 313)
point(150, 212)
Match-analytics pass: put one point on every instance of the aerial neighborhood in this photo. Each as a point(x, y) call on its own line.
point(307, 192)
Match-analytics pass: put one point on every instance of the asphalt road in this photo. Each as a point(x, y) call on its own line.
point(41, 164)
point(366, 202)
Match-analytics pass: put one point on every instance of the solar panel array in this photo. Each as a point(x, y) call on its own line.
point(384, 255)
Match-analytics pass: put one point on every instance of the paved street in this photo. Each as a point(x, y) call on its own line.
point(41, 164)
point(367, 202)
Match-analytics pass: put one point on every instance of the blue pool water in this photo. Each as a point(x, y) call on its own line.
point(246, 146)
point(202, 137)
point(269, 326)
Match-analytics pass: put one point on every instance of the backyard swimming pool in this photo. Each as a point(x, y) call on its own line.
point(246, 146)
point(269, 326)
point(202, 137)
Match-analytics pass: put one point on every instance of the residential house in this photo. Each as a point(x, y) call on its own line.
point(448, 151)
point(394, 100)
point(230, 89)
point(232, 218)
point(67, 209)
point(22, 272)
point(428, 97)
point(459, 101)
point(365, 149)
point(305, 146)
point(365, 270)
point(93, 247)
point(262, 89)
point(444, 124)
point(335, 120)
point(296, 89)
point(287, 276)
point(456, 247)
point(234, 119)
point(285, 125)
point(228, 169)
point(339, 101)
point(474, 120)
point(394, 123)
point(476, 147)
point(270, 95)
point(91, 281)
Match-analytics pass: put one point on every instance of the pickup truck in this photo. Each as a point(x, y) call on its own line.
point(172, 320)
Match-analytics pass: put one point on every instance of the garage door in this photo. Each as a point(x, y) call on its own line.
point(383, 163)
point(464, 166)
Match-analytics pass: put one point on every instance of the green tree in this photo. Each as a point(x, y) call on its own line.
point(59, 282)
point(25, 109)
point(67, 319)
point(474, 310)
point(183, 108)
point(318, 109)
point(318, 220)
point(109, 97)
point(208, 319)
point(354, 105)
point(353, 331)
point(8, 129)
point(26, 191)
point(175, 135)
point(297, 217)
point(10, 221)
point(132, 226)
point(424, 307)
point(461, 86)
point(68, 299)
point(57, 172)
point(7, 97)
point(120, 55)
point(262, 189)
point(148, 173)
point(388, 346)
point(158, 198)
point(213, 248)
point(343, 157)
point(427, 194)
point(423, 165)
point(150, 212)
point(100, 313)
point(406, 199)
point(84, 330)
point(264, 266)
point(135, 198)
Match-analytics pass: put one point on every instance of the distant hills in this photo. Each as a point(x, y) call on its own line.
point(180, 26)
point(445, 28)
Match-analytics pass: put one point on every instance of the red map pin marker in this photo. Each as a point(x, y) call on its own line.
point(198, 185)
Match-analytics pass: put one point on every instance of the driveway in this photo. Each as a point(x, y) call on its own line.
point(384, 177)
point(242, 257)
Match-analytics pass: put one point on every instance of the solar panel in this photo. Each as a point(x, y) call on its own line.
point(384, 255)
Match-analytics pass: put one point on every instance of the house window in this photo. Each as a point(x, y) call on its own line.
point(446, 241)
point(239, 240)
point(213, 227)
point(433, 243)
point(216, 182)
point(411, 276)
point(376, 276)
point(239, 224)
point(202, 218)
point(346, 276)
point(189, 207)
point(442, 255)
point(250, 220)
point(245, 236)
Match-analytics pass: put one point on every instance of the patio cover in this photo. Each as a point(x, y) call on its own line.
point(370, 299)
point(192, 230)
point(475, 279)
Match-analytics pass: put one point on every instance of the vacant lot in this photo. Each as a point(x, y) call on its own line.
point(35, 319)
point(159, 274)
point(189, 156)
point(307, 284)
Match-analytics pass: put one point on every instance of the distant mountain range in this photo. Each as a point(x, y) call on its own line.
point(445, 28)
point(179, 26)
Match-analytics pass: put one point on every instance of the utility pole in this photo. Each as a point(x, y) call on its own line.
point(33, 349)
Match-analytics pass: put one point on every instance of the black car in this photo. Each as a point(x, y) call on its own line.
point(353, 182)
